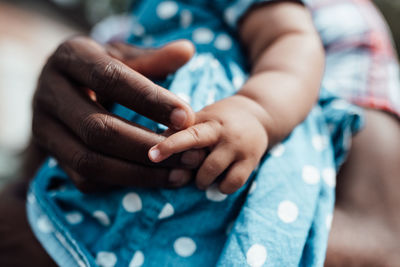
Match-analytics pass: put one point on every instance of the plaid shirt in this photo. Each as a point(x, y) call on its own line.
point(361, 63)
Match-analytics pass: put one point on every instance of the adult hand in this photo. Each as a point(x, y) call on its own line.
point(94, 146)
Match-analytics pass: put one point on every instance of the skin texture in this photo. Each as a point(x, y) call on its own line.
point(365, 229)
point(287, 68)
point(91, 143)
point(366, 223)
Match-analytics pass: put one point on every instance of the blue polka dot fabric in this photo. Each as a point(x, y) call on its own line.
point(281, 217)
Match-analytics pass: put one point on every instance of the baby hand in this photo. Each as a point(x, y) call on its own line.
point(233, 131)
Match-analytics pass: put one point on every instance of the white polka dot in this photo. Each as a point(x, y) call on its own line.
point(74, 217)
point(320, 142)
point(138, 29)
point(184, 97)
point(287, 211)
point(132, 202)
point(310, 175)
point(253, 187)
point(213, 194)
point(229, 15)
point(167, 211)
point(106, 259)
point(329, 176)
point(203, 36)
point(184, 247)
point(277, 150)
point(186, 18)
point(256, 256)
point(167, 9)
point(137, 260)
point(196, 63)
point(52, 163)
point(215, 63)
point(101, 217)
point(148, 40)
point(238, 82)
point(328, 221)
point(223, 42)
point(44, 225)
point(31, 198)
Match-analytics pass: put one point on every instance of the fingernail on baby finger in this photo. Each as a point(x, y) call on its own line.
point(154, 154)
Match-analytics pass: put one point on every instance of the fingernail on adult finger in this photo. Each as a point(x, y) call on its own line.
point(191, 158)
point(178, 177)
point(178, 118)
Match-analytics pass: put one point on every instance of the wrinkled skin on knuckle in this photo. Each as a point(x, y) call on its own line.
point(85, 163)
point(105, 76)
point(96, 129)
point(65, 53)
point(142, 95)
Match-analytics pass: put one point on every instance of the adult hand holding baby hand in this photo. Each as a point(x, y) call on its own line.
point(94, 146)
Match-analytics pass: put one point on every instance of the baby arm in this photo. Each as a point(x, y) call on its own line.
point(287, 66)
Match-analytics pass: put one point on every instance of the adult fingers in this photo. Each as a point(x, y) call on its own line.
point(85, 185)
point(94, 167)
point(97, 128)
point(147, 61)
point(236, 176)
point(88, 64)
point(197, 136)
point(214, 165)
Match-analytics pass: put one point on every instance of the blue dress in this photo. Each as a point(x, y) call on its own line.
point(281, 217)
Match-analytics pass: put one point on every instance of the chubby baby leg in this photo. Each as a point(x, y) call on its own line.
point(366, 224)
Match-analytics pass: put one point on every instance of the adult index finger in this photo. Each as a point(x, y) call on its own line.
point(88, 63)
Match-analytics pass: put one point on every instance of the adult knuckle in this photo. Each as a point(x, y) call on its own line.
point(142, 95)
point(83, 162)
point(96, 129)
point(64, 53)
point(105, 76)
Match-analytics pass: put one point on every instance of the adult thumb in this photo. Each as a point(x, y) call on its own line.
point(155, 63)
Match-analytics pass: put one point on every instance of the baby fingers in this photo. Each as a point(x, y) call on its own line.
point(214, 165)
point(197, 136)
point(236, 177)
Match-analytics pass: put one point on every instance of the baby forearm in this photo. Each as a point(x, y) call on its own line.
point(286, 72)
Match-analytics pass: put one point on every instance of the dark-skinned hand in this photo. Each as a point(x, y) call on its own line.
point(97, 149)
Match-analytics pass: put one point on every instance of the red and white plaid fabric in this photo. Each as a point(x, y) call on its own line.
point(362, 65)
